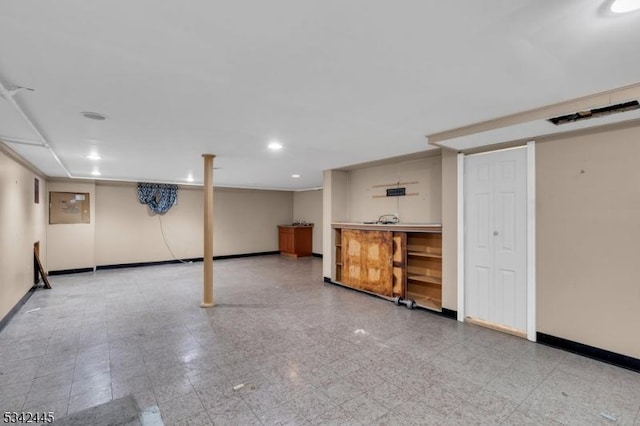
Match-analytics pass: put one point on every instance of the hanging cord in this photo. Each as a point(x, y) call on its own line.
point(167, 244)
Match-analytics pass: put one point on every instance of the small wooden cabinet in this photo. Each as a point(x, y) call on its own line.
point(392, 262)
point(295, 240)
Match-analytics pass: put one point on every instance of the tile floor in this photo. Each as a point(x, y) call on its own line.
point(305, 352)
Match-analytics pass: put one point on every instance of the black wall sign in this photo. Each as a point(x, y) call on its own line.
point(396, 192)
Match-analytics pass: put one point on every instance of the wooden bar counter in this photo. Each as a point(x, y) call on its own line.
point(391, 260)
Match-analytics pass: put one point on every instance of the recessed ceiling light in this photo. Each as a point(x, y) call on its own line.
point(94, 156)
point(624, 6)
point(295, 176)
point(96, 172)
point(274, 146)
point(93, 115)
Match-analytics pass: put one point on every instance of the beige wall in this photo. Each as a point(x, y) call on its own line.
point(123, 231)
point(22, 223)
point(307, 206)
point(588, 239)
point(72, 246)
point(245, 221)
point(423, 208)
point(334, 209)
point(126, 232)
point(449, 230)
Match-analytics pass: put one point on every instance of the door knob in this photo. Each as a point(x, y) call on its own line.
point(495, 233)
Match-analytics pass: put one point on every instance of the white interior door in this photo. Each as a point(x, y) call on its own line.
point(495, 218)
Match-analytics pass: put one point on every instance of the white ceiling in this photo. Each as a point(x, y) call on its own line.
point(337, 82)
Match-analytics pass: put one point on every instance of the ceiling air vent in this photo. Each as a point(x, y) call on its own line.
point(596, 112)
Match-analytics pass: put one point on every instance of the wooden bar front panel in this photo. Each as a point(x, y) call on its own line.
point(367, 260)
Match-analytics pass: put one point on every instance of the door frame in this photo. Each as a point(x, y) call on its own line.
point(531, 242)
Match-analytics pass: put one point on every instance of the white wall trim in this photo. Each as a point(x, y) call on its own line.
point(460, 236)
point(531, 241)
